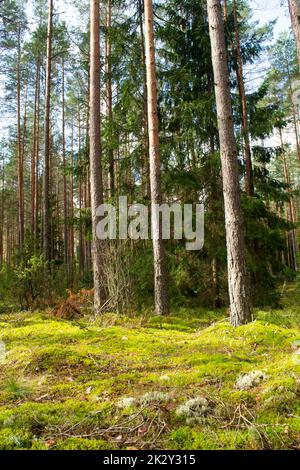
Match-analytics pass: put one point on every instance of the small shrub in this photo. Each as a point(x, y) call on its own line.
point(16, 388)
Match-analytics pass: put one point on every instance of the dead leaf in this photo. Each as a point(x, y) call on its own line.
point(50, 443)
point(142, 430)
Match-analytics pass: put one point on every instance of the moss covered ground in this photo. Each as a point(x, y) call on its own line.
point(151, 383)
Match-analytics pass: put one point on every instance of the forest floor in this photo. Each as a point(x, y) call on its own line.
point(187, 382)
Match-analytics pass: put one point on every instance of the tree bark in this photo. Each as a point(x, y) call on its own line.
point(243, 101)
point(37, 162)
point(108, 71)
point(80, 199)
point(65, 210)
point(145, 158)
point(22, 165)
point(294, 7)
point(291, 217)
point(71, 209)
point(33, 155)
point(160, 275)
point(19, 147)
point(2, 213)
point(46, 195)
point(240, 312)
point(95, 153)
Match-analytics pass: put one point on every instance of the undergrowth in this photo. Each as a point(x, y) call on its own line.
point(151, 383)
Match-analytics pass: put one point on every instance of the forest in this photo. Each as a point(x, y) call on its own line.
point(149, 225)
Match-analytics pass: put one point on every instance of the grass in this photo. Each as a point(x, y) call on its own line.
point(119, 383)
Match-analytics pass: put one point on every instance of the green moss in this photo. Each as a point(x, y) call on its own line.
point(82, 444)
point(69, 377)
point(11, 439)
point(184, 438)
point(15, 388)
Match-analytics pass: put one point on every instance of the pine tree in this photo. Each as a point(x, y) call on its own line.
point(237, 276)
point(294, 8)
point(95, 153)
point(47, 139)
point(160, 276)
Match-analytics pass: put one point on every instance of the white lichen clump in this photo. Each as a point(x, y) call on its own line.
point(165, 378)
point(126, 402)
point(247, 381)
point(154, 397)
point(194, 410)
point(147, 399)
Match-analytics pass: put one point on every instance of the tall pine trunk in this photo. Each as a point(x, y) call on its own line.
point(294, 6)
point(71, 209)
point(109, 103)
point(95, 153)
point(65, 205)
point(243, 101)
point(33, 155)
point(291, 217)
point(160, 276)
point(20, 152)
point(46, 195)
point(80, 199)
point(145, 158)
point(37, 162)
point(237, 276)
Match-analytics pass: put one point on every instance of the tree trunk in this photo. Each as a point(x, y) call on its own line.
point(294, 110)
point(95, 153)
point(291, 236)
point(22, 164)
point(160, 276)
point(20, 159)
point(243, 101)
point(80, 184)
point(294, 7)
point(237, 277)
point(37, 162)
point(145, 158)
point(2, 215)
point(88, 253)
point(33, 156)
point(71, 209)
point(225, 9)
point(65, 210)
point(109, 111)
point(46, 195)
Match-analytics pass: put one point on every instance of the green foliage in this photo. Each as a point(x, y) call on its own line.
point(15, 388)
point(32, 283)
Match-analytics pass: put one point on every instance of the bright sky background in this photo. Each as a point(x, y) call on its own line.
point(266, 10)
point(263, 11)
